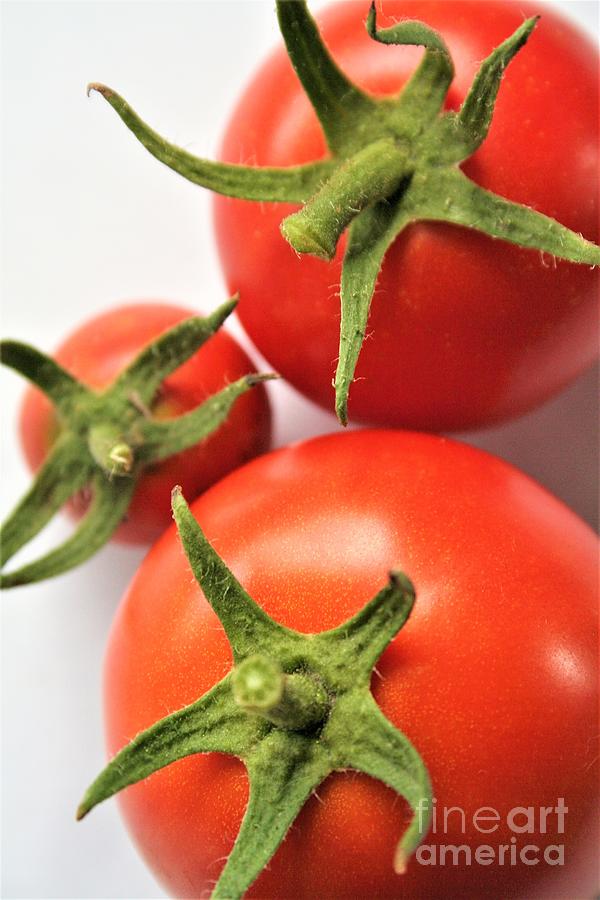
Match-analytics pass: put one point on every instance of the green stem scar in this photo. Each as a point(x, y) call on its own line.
point(294, 708)
point(294, 701)
point(110, 450)
point(106, 440)
point(374, 173)
point(392, 161)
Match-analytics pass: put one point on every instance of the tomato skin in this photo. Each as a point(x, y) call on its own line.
point(464, 330)
point(98, 350)
point(494, 678)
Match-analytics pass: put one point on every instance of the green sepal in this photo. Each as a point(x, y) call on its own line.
point(106, 440)
point(165, 437)
point(283, 772)
point(358, 643)
point(144, 375)
point(475, 115)
point(337, 102)
point(447, 195)
point(60, 476)
point(248, 628)
point(58, 385)
point(213, 723)
point(110, 501)
point(369, 237)
point(269, 184)
point(295, 708)
point(380, 750)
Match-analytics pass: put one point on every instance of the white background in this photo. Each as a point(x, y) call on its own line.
point(89, 220)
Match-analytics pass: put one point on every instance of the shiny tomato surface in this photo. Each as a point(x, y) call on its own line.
point(96, 353)
point(464, 330)
point(494, 677)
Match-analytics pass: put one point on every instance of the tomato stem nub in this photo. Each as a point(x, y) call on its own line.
point(374, 173)
point(294, 701)
point(294, 708)
point(419, 138)
point(106, 440)
point(108, 448)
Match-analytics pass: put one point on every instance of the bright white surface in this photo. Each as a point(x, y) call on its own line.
point(90, 220)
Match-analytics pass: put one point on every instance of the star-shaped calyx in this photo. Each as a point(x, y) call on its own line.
point(392, 161)
point(294, 708)
point(105, 441)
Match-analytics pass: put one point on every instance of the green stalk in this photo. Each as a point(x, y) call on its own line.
point(296, 701)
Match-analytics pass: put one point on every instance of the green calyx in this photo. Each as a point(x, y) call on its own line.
point(106, 440)
point(295, 708)
point(392, 161)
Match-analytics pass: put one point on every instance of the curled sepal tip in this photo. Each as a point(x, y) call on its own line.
point(361, 640)
point(423, 95)
point(271, 184)
point(98, 87)
point(382, 751)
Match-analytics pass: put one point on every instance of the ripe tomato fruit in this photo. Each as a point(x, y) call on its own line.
point(96, 353)
point(466, 330)
point(493, 678)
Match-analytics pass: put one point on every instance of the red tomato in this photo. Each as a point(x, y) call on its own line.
point(464, 330)
point(493, 678)
point(96, 353)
